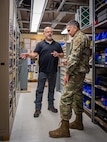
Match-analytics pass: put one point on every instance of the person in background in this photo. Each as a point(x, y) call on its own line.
point(49, 51)
point(77, 65)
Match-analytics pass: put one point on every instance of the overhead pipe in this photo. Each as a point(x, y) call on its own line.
point(23, 9)
point(61, 5)
point(23, 21)
point(20, 2)
point(59, 23)
point(76, 3)
point(66, 12)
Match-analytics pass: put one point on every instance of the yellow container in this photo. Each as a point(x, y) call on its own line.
point(31, 75)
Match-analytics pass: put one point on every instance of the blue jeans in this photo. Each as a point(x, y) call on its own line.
point(42, 77)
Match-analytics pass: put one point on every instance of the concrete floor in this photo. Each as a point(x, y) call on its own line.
point(26, 128)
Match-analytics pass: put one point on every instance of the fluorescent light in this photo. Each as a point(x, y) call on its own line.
point(40, 33)
point(36, 14)
point(64, 32)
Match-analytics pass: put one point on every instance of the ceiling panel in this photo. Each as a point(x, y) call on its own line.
point(57, 14)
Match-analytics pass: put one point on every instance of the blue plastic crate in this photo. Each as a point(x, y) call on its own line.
point(104, 35)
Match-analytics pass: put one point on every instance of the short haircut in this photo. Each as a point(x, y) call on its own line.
point(73, 23)
point(47, 28)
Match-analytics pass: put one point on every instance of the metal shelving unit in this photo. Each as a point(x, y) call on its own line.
point(62, 67)
point(62, 70)
point(8, 95)
point(88, 82)
point(99, 68)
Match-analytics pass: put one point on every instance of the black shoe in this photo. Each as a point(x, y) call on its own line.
point(53, 109)
point(37, 113)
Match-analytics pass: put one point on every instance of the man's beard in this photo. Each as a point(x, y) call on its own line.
point(49, 37)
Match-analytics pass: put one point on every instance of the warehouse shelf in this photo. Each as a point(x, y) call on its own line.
point(8, 95)
point(99, 68)
point(88, 110)
point(102, 40)
point(102, 123)
point(87, 29)
point(101, 87)
point(86, 94)
point(101, 7)
point(101, 65)
point(102, 24)
point(98, 102)
point(89, 81)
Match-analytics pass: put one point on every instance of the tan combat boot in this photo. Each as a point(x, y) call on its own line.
point(77, 123)
point(62, 131)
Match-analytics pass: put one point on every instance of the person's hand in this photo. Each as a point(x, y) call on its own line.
point(66, 78)
point(55, 54)
point(64, 61)
point(24, 55)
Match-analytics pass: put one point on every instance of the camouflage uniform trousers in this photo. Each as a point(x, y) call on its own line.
point(72, 97)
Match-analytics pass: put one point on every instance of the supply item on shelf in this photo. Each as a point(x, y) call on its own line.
point(87, 102)
point(104, 100)
point(101, 16)
point(101, 113)
point(87, 88)
point(101, 79)
point(33, 69)
point(101, 35)
point(101, 56)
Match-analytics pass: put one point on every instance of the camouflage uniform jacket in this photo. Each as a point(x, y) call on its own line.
point(78, 58)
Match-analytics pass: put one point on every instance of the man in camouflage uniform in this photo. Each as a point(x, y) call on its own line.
point(77, 65)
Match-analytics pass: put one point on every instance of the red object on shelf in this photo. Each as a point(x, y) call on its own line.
point(95, 22)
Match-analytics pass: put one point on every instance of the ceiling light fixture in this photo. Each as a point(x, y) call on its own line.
point(64, 32)
point(36, 14)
